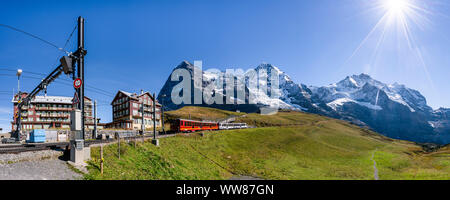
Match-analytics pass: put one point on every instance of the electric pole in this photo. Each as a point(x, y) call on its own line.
point(154, 116)
point(155, 141)
point(142, 111)
point(162, 113)
point(80, 53)
point(95, 119)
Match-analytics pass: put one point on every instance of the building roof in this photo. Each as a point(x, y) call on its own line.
point(134, 96)
point(51, 99)
point(126, 93)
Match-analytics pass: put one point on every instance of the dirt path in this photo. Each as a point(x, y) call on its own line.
point(375, 169)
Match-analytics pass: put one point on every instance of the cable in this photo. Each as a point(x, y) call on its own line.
point(11, 70)
point(87, 86)
point(34, 36)
point(67, 82)
point(98, 89)
point(15, 70)
point(7, 75)
point(62, 83)
point(67, 41)
point(70, 36)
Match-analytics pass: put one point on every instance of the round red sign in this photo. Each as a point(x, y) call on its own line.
point(77, 83)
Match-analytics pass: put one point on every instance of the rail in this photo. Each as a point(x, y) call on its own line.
point(19, 148)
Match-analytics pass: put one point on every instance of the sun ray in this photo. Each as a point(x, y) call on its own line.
point(403, 17)
point(385, 16)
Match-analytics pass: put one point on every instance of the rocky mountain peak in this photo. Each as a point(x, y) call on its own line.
point(393, 110)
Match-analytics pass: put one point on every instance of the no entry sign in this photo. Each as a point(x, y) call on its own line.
point(77, 83)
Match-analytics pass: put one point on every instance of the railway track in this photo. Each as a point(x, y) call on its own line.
point(19, 148)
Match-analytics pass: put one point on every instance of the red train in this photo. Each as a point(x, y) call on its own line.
point(184, 125)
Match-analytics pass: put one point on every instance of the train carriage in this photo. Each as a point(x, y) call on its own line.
point(184, 125)
point(226, 126)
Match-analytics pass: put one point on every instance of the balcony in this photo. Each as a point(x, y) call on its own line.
point(53, 108)
point(54, 115)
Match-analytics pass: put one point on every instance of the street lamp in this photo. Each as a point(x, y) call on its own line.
point(19, 72)
point(19, 99)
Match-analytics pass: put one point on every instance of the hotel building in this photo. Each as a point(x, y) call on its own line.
point(127, 113)
point(50, 112)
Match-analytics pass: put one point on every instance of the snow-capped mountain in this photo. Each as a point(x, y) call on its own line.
point(391, 109)
point(365, 91)
point(208, 77)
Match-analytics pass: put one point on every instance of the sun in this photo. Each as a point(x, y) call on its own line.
point(396, 6)
point(399, 22)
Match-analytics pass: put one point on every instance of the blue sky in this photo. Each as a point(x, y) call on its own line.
point(136, 44)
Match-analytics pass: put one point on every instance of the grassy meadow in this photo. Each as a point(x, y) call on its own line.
point(288, 146)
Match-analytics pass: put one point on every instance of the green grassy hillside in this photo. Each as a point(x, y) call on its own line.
point(201, 113)
point(290, 145)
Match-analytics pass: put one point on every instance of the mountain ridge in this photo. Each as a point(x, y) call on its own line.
point(393, 109)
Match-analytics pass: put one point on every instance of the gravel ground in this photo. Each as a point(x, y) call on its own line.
point(29, 156)
point(40, 165)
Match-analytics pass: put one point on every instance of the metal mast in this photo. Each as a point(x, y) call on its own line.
point(81, 52)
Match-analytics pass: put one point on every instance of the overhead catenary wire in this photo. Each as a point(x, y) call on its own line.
point(70, 36)
point(14, 69)
point(94, 88)
point(34, 36)
point(67, 41)
point(63, 81)
point(91, 88)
